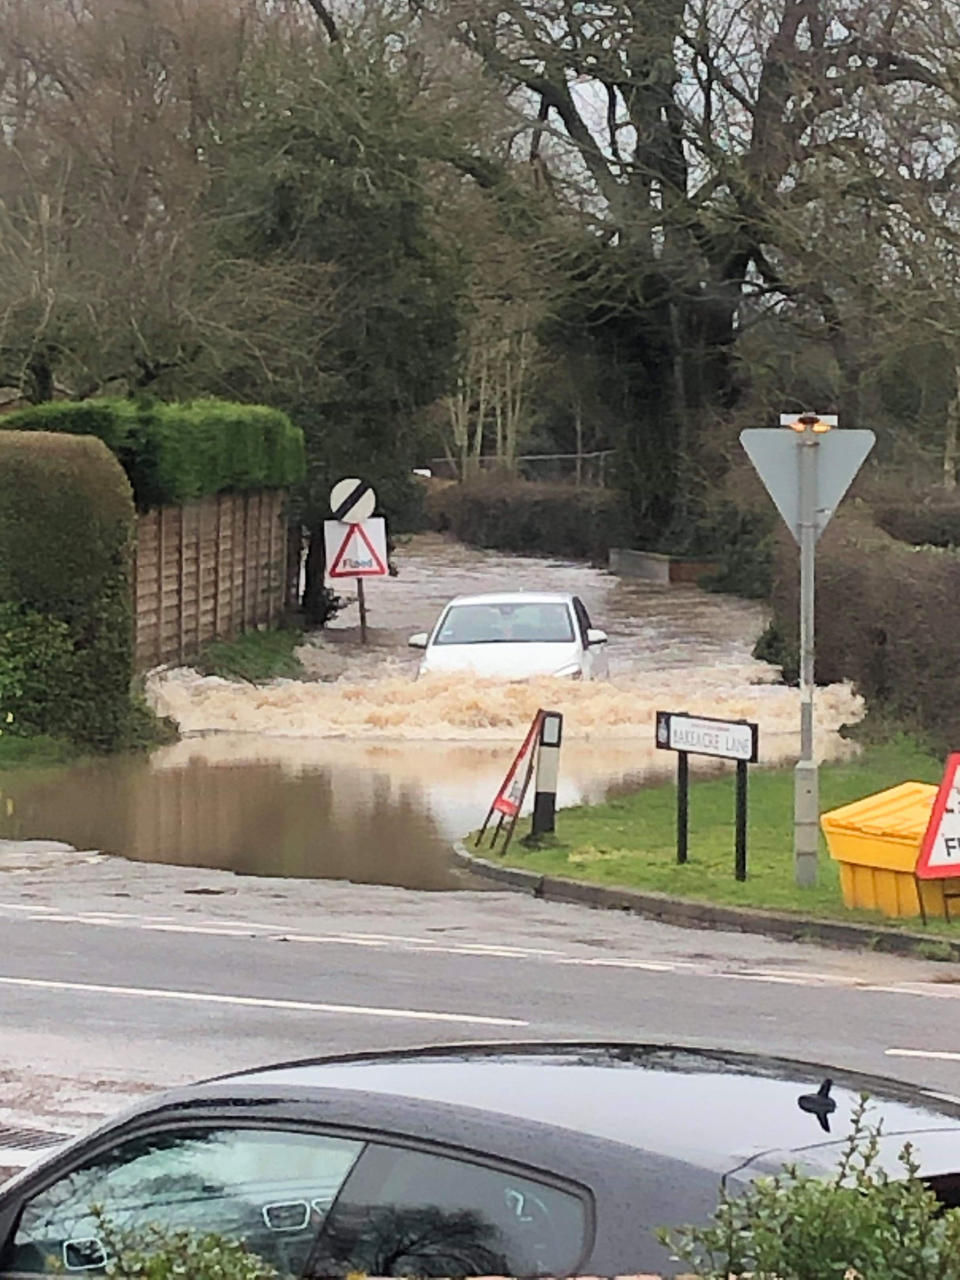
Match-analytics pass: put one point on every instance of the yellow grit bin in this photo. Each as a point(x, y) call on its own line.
point(876, 842)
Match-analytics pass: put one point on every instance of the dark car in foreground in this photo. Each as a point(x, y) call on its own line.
point(514, 1160)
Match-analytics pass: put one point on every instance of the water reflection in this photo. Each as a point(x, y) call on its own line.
point(373, 813)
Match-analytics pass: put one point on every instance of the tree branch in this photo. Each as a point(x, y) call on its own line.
point(326, 18)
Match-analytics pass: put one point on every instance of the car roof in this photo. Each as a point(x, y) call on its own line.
point(714, 1108)
point(516, 597)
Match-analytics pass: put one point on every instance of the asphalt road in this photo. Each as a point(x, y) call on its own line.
point(116, 978)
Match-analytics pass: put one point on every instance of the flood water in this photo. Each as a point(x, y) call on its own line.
point(361, 773)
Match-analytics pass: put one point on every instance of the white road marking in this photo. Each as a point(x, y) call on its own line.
point(941, 1055)
point(261, 1002)
point(412, 944)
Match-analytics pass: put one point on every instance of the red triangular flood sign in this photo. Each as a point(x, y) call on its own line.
point(940, 851)
point(357, 557)
point(510, 796)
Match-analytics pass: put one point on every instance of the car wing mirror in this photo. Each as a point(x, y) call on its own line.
point(595, 636)
point(86, 1254)
point(286, 1215)
point(419, 641)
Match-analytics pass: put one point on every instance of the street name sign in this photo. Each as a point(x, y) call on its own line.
point(775, 453)
point(706, 736)
point(724, 740)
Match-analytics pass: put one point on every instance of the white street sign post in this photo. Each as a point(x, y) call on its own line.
point(807, 469)
point(356, 545)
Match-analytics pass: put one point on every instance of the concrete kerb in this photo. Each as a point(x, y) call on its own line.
point(690, 914)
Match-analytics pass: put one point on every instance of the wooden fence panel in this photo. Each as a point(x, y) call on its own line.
point(209, 569)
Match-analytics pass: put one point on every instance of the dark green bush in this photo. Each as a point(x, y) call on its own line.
point(932, 521)
point(174, 452)
point(539, 519)
point(66, 538)
point(888, 619)
point(741, 541)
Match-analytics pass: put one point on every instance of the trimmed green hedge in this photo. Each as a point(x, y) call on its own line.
point(66, 624)
point(174, 452)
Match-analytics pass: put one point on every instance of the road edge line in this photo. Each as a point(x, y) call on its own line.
point(688, 913)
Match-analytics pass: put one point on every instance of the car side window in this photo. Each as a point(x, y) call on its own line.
point(583, 618)
point(269, 1188)
point(410, 1212)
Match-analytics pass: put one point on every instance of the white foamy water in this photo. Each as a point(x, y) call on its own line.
point(393, 707)
point(671, 647)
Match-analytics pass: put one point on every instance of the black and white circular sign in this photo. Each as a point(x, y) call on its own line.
point(352, 501)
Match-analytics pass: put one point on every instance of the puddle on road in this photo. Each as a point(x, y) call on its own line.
point(370, 775)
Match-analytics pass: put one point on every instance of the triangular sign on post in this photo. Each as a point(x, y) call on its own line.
point(358, 555)
point(940, 852)
point(514, 786)
point(776, 457)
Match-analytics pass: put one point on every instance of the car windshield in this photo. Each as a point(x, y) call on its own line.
point(518, 622)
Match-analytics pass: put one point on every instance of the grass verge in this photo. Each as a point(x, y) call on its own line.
point(631, 841)
point(35, 753)
point(255, 656)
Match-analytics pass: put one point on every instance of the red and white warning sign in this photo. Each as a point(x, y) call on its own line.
point(940, 851)
point(356, 550)
point(510, 796)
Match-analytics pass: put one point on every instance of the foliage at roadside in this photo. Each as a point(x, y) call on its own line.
point(888, 619)
point(255, 656)
point(66, 624)
point(174, 452)
point(862, 1223)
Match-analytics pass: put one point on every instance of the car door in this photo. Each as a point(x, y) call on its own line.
point(269, 1187)
point(429, 1211)
point(594, 656)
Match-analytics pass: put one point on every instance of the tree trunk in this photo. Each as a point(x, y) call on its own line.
point(951, 437)
point(578, 428)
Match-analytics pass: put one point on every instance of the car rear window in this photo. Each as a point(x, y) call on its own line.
point(424, 1214)
point(506, 623)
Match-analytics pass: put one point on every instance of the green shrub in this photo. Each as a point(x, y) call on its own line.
point(932, 520)
point(741, 541)
point(154, 1253)
point(255, 656)
point(540, 519)
point(36, 663)
point(888, 619)
point(174, 452)
point(860, 1224)
point(66, 626)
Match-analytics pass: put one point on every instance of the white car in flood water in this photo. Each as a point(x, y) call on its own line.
point(514, 636)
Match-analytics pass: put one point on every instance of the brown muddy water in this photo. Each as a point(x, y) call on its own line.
point(363, 774)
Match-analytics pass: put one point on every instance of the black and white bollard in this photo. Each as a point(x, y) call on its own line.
point(548, 769)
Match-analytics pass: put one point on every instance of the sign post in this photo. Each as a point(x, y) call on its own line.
point(807, 470)
point(356, 544)
point(723, 739)
point(548, 770)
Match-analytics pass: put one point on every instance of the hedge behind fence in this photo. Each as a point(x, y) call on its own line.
point(539, 519)
point(66, 626)
point(174, 452)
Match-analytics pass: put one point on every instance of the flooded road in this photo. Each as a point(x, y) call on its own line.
point(363, 774)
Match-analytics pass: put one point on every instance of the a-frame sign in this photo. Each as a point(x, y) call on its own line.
point(940, 851)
